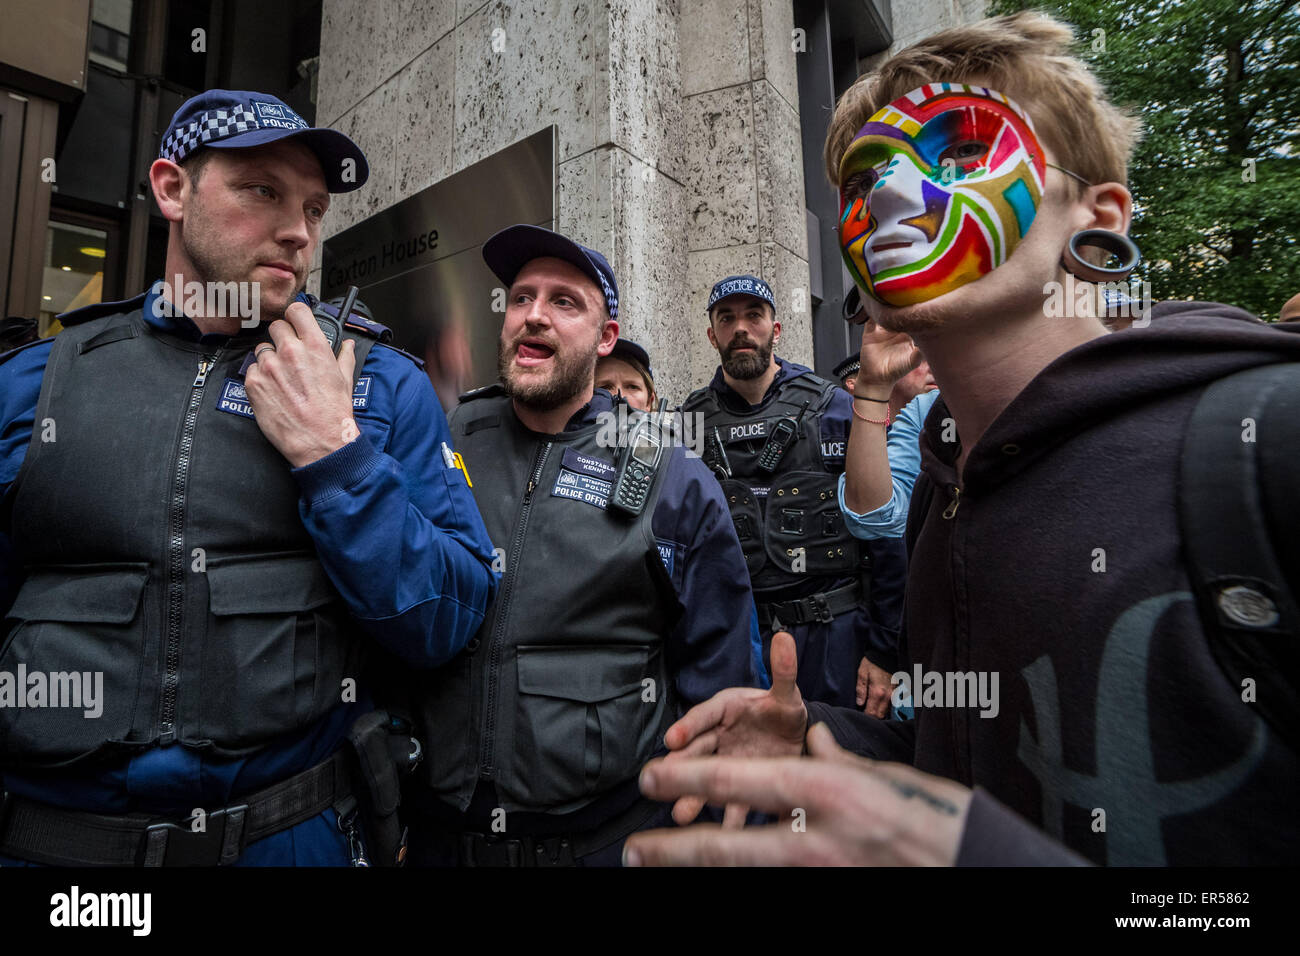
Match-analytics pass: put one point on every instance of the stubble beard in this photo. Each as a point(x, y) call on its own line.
point(214, 260)
point(570, 375)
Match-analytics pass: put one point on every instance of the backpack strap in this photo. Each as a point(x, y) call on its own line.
point(1239, 515)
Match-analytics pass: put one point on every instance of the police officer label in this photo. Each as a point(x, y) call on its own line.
point(361, 393)
point(746, 431)
point(579, 487)
point(587, 465)
point(234, 399)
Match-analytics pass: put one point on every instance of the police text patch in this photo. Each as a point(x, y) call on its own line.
point(361, 394)
point(234, 399)
point(577, 486)
point(744, 431)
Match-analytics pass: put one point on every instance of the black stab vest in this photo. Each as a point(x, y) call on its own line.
point(565, 690)
point(797, 506)
point(162, 546)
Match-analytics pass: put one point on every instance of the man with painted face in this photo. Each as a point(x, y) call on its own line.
point(782, 432)
point(623, 597)
point(1093, 606)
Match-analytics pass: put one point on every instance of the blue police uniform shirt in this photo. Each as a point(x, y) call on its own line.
point(389, 491)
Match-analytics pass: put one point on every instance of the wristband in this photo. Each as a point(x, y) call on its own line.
point(872, 421)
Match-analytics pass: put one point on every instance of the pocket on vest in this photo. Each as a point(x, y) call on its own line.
point(72, 650)
point(273, 659)
point(583, 723)
point(803, 511)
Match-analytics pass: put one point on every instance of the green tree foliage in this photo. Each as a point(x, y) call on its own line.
point(1216, 178)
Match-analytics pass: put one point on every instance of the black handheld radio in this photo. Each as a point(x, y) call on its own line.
point(784, 433)
point(638, 464)
point(332, 325)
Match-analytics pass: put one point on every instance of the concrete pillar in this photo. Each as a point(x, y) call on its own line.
point(744, 172)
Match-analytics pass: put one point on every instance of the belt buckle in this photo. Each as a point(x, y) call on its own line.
point(479, 849)
point(821, 608)
point(173, 844)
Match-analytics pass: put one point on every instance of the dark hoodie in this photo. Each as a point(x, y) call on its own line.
point(1116, 733)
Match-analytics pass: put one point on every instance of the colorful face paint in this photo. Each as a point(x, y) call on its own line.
point(937, 190)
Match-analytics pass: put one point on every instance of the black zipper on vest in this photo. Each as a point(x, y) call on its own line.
point(176, 551)
point(503, 608)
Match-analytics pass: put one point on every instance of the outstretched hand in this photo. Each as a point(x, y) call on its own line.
point(834, 808)
point(742, 722)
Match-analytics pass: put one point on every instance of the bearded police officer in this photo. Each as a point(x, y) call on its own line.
point(776, 439)
point(623, 597)
point(204, 503)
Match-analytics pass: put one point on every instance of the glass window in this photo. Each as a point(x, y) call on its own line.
point(110, 33)
point(74, 270)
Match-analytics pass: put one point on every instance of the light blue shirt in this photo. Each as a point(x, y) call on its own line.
point(890, 519)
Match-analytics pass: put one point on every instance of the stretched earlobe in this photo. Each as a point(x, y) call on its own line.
point(1115, 243)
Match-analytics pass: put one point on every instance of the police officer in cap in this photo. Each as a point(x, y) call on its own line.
point(625, 372)
point(623, 595)
point(776, 440)
point(204, 500)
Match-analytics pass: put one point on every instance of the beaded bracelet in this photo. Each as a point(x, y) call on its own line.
point(872, 421)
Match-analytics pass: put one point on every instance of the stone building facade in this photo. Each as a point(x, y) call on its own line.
point(681, 138)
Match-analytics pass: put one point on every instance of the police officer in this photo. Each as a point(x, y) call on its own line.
point(623, 596)
point(777, 437)
point(625, 372)
point(204, 504)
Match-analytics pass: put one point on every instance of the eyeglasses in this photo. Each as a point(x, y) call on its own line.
point(1070, 174)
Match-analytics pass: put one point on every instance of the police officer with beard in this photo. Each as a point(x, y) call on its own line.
point(203, 505)
point(623, 596)
point(777, 435)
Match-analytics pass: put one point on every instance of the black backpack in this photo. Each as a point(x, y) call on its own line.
point(1239, 517)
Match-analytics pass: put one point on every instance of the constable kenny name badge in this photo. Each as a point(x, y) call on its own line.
point(584, 478)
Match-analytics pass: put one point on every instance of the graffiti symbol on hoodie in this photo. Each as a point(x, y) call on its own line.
point(1125, 782)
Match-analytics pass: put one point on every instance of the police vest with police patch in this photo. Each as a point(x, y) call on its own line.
point(162, 545)
point(789, 522)
point(564, 692)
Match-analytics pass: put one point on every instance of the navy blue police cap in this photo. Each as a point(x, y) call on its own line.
point(507, 252)
point(237, 119)
point(626, 348)
point(741, 285)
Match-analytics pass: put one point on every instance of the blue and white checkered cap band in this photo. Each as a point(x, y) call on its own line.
point(206, 127)
point(611, 297)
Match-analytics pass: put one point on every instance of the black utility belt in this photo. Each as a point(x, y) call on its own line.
point(823, 607)
point(482, 849)
point(44, 834)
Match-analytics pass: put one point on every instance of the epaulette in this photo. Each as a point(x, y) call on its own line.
point(487, 391)
point(355, 321)
point(419, 362)
point(101, 309)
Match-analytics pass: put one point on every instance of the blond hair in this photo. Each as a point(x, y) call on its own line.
point(1025, 56)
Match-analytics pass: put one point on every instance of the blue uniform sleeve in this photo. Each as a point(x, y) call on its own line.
point(20, 387)
point(890, 519)
point(716, 644)
point(395, 523)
